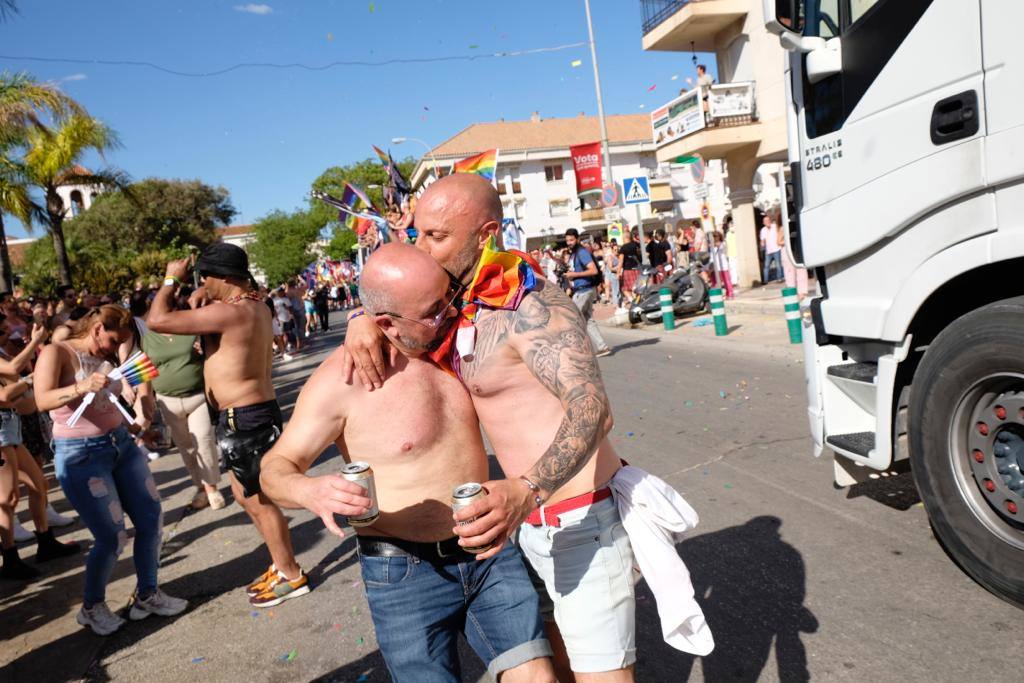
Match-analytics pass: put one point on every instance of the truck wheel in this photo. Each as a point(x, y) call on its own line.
point(966, 431)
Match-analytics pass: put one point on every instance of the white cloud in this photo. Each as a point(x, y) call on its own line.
point(253, 8)
point(73, 77)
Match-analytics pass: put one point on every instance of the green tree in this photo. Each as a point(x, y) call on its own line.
point(160, 214)
point(284, 243)
point(343, 241)
point(50, 159)
point(369, 175)
point(22, 102)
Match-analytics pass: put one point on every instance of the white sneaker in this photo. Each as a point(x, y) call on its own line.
point(55, 519)
point(100, 619)
point(287, 356)
point(21, 534)
point(158, 603)
point(216, 500)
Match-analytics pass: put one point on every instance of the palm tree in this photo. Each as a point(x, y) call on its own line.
point(52, 158)
point(22, 102)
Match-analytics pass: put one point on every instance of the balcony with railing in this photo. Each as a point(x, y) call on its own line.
point(685, 25)
point(711, 121)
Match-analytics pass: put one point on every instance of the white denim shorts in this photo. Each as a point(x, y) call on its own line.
point(584, 573)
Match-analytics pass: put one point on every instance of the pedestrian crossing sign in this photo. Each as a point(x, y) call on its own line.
point(636, 190)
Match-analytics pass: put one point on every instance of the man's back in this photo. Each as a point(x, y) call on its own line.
point(238, 361)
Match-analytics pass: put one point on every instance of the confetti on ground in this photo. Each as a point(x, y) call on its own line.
point(688, 404)
point(198, 660)
point(289, 657)
point(722, 394)
point(652, 87)
point(629, 433)
point(728, 486)
point(355, 583)
point(254, 614)
point(705, 470)
point(337, 627)
point(270, 613)
point(576, 62)
point(703, 322)
point(360, 641)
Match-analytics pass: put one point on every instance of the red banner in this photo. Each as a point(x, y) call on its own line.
point(586, 162)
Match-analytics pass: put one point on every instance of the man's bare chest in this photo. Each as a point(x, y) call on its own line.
point(493, 362)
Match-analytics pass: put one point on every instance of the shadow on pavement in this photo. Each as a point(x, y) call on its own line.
point(633, 344)
point(898, 492)
point(751, 585)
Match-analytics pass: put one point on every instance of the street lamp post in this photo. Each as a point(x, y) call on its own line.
point(430, 150)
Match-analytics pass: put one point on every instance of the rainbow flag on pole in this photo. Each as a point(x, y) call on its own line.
point(483, 164)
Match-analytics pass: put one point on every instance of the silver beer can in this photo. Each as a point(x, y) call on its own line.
point(463, 496)
point(361, 473)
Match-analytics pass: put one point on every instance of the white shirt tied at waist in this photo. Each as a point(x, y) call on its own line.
point(655, 517)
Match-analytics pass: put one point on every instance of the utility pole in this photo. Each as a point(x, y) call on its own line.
point(600, 104)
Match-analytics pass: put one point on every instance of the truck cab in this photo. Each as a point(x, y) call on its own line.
point(906, 152)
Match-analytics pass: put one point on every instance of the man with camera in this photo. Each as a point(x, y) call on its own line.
point(582, 276)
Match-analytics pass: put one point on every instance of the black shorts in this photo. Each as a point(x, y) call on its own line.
point(245, 435)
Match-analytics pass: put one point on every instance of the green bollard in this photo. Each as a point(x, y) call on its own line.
point(668, 314)
point(718, 311)
point(791, 303)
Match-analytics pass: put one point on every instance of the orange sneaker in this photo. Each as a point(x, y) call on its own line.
point(261, 584)
point(281, 589)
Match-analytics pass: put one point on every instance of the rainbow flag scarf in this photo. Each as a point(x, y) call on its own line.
point(483, 164)
point(501, 280)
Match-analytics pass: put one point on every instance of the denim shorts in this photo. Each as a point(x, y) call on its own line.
point(10, 427)
point(419, 607)
point(584, 571)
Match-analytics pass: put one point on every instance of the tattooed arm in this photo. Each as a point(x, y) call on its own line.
point(551, 336)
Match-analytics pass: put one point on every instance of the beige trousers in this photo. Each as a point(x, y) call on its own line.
point(192, 432)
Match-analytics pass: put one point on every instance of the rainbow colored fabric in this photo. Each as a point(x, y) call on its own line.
point(501, 280)
point(482, 164)
point(137, 370)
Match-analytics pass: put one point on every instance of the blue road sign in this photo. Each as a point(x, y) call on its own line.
point(636, 190)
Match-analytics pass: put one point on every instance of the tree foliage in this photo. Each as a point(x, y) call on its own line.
point(343, 241)
point(167, 213)
point(121, 241)
point(285, 243)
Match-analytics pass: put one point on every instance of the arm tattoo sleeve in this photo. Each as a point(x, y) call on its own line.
point(556, 348)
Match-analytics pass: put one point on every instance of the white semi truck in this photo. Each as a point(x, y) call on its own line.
point(906, 150)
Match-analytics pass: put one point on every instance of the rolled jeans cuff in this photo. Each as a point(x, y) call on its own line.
point(520, 654)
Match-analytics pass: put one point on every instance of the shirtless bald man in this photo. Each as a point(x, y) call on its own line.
point(537, 390)
point(237, 340)
point(423, 589)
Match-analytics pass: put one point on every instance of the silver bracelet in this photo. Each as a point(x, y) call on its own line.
point(538, 501)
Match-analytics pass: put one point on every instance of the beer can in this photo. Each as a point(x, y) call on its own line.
point(361, 473)
point(463, 496)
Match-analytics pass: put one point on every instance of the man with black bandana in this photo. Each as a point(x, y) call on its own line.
point(237, 338)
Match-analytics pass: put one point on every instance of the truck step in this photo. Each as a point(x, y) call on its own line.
point(858, 443)
point(857, 372)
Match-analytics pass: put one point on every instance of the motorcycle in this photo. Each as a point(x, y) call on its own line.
point(689, 294)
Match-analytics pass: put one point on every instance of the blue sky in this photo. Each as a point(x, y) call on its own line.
point(266, 133)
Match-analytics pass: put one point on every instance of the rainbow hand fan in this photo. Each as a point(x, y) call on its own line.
point(137, 370)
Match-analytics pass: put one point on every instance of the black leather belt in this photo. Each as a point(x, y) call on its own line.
point(439, 551)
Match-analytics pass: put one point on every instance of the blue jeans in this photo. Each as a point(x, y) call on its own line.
point(105, 477)
point(769, 259)
point(419, 608)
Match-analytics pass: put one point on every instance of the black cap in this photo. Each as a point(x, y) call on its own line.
point(224, 260)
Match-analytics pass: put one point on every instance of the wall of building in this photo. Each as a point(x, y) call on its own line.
point(70, 193)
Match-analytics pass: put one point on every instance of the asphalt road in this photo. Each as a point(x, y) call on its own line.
point(797, 579)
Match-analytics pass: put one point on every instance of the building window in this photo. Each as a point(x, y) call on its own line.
point(553, 173)
point(558, 207)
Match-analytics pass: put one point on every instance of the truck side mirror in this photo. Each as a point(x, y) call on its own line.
point(782, 16)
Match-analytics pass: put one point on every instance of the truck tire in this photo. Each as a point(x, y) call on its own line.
point(966, 432)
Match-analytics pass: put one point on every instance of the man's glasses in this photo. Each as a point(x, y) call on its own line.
point(434, 322)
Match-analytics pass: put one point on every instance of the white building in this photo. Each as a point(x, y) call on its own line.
point(535, 177)
point(76, 196)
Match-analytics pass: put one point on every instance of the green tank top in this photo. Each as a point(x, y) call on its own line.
point(180, 366)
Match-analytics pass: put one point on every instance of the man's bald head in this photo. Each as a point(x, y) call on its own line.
point(455, 217)
point(394, 275)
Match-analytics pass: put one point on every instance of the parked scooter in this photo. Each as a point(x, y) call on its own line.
point(689, 294)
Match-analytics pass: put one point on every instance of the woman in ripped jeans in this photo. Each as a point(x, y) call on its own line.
point(101, 470)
